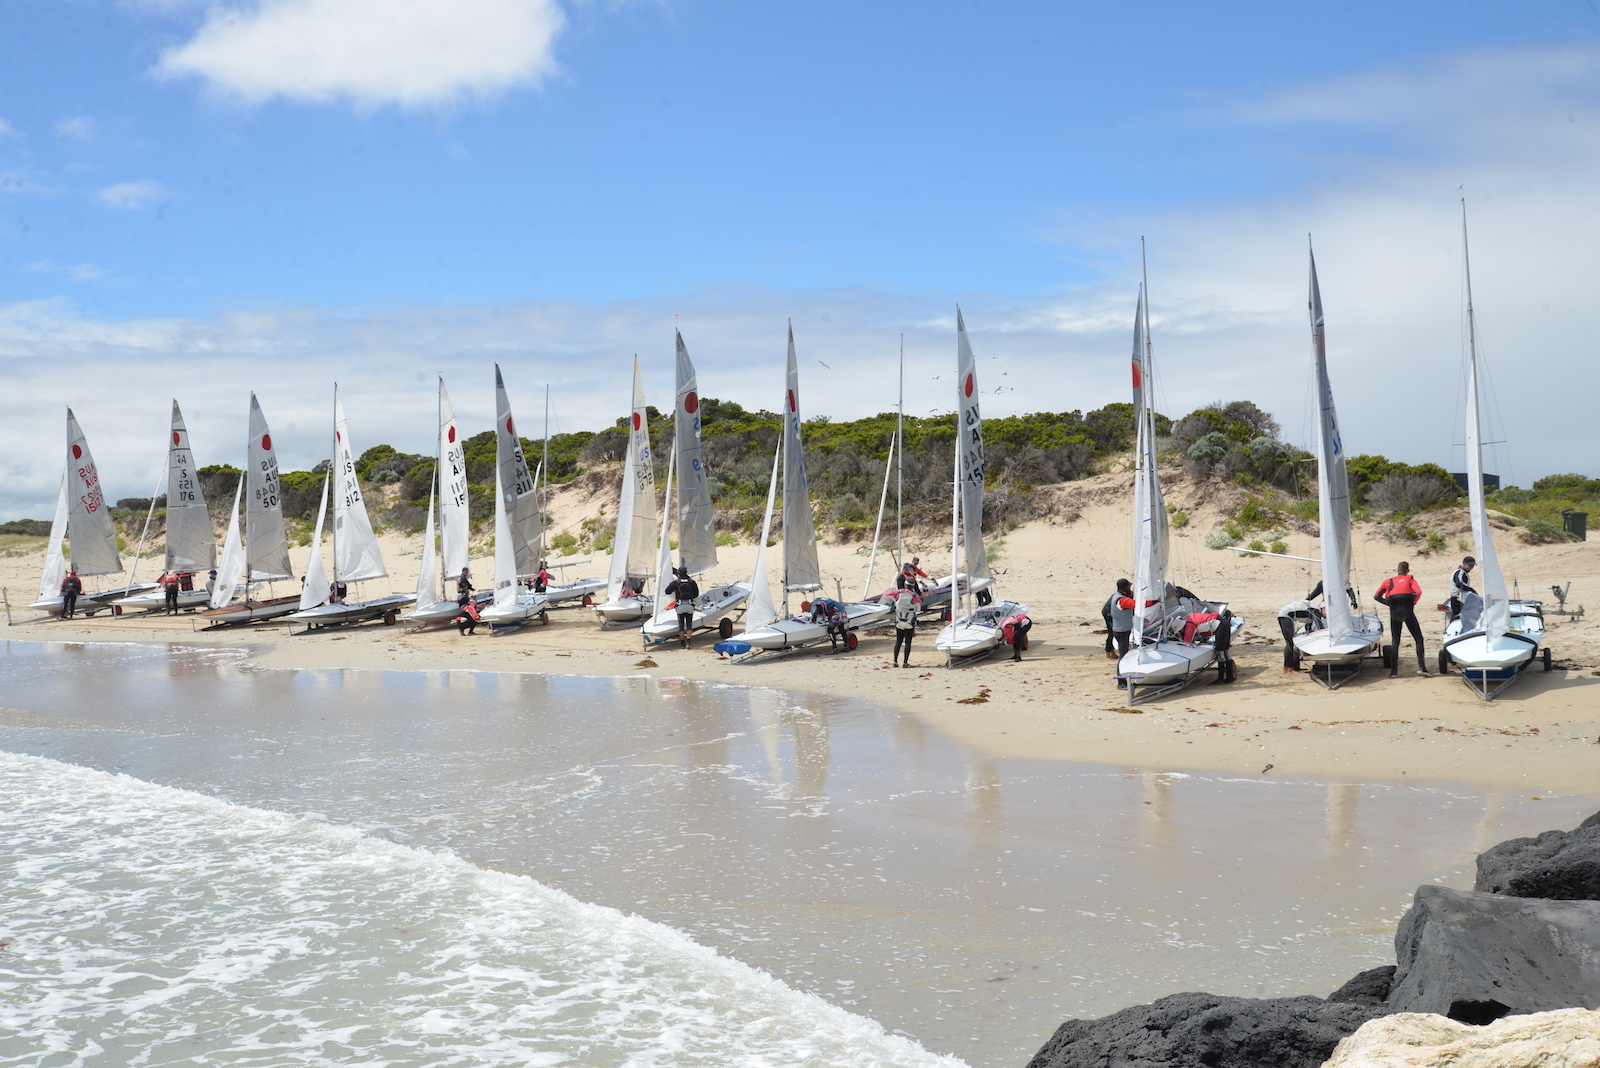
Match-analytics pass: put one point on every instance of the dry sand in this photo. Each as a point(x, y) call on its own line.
point(1541, 735)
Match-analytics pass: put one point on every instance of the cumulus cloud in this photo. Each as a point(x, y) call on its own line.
point(133, 196)
point(412, 53)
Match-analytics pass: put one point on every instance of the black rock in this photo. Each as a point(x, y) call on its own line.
point(1560, 865)
point(1371, 987)
point(1207, 1031)
point(1476, 957)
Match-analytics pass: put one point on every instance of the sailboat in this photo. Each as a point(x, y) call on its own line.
point(636, 519)
point(763, 627)
point(583, 589)
point(231, 567)
point(356, 556)
point(1495, 637)
point(1336, 650)
point(1168, 651)
point(83, 521)
point(697, 527)
point(191, 545)
point(979, 630)
point(518, 524)
point(433, 604)
point(266, 544)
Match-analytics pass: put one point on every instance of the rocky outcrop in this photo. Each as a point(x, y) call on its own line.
point(1477, 957)
point(1569, 1038)
point(1371, 987)
point(1208, 1031)
point(1562, 865)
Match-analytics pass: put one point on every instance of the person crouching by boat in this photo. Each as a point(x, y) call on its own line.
point(1461, 586)
point(71, 586)
point(827, 611)
point(336, 592)
point(685, 589)
point(464, 587)
point(1401, 593)
point(542, 582)
point(1297, 617)
point(468, 619)
point(907, 603)
point(170, 584)
point(1014, 631)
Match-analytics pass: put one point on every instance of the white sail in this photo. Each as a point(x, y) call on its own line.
point(1333, 486)
point(642, 455)
point(90, 534)
point(760, 611)
point(231, 569)
point(454, 517)
point(1150, 512)
point(427, 576)
point(517, 485)
point(314, 588)
point(266, 545)
point(697, 523)
point(356, 556)
point(625, 546)
point(55, 563)
point(800, 568)
point(191, 544)
point(1496, 620)
point(505, 555)
point(969, 444)
point(664, 557)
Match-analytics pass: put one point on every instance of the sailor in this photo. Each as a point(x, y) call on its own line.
point(1461, 585)
point(907, 580)
point(464, 586)
point(1122, 622)
point(916, 567)
point(907, 602)
point(71, 586)
point(211, 583)
point(685, 589)
point(337, 591)
point(170, 583)
point(1298, 617)
point(1105, 614)
point(1401, 593)
point(541, 583)
point(1015, 629)
point(467, 619)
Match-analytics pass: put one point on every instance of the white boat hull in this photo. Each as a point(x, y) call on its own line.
point(793, 633)
point(445, 611)
point(1320, 648)
point(574, 591)
point(1164, 663)
point(937, 595)
point(977, 632)
point(156, 601)
point(625, 610)
point(90, 603)
point(708, 610)
point(527, 606)
point(332, 615)
point(250, 611)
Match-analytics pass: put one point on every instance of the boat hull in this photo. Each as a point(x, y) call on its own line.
point(445, 611)
point(977, 632)
point(708, 610)
point(527, 606)
point(625, 610)
point(90, 603)
point(1320, 648)
point(333, 615)
point(251, 611)
point(1164, 664)
point(156, 601)
point(574, 591)
point(793, 633)
point(937, 596)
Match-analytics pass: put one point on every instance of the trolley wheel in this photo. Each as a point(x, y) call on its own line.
point(544, 619)
point(1547, 659)
point(388, 619)
point(725, 629)
point(850, 640)
point(1444, 662)
point(587, 601)
point(116, 610)
point(946, 617)
point(90, 615)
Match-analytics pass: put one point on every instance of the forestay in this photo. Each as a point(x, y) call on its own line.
point(970, 447)
point(91, 536)
point(800, 568)
point(55, 564)
point(231, 568)
point(314, 588)
point(1496, 619)
point(191, 545)
point(1333, 486)
point(356, 556)
point(697, 534)
point(517, 486)
point(454, 522)
point(266, 546)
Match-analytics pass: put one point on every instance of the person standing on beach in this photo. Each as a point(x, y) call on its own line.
point(907, 580)
point(907, 602)
point(684, 589)
point(1119, 622)
point(1461, 586)
point(169, 584)
point(1401, 593)
point(464, 587)
point(71, 586)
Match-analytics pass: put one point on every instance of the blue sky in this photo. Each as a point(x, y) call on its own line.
point(198, 200)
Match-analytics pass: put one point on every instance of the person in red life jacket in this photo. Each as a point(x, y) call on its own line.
point(71, 586)
point(186, 581)
point(907, 580)
point(467, 621)
point(1120, 624)
point(169, 584)
point(542, 582)
point(1014, 630)
point(907, 603)
point(1401, 593)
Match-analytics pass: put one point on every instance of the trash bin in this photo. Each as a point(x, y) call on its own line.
point(1575, 523)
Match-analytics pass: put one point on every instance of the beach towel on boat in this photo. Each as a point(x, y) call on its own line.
point(1196, 622)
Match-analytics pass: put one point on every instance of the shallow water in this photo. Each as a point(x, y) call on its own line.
point(848, 850)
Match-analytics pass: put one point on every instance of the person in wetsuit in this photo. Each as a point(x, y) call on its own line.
point(685, 589)
point(1401, 593)
point(1461, 585)
point(464, 587)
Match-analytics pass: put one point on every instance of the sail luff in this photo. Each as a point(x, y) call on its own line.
point(622, 537)
point(1148, 580)
point(1333, 484)
point(969, 435)
point(664, 559)
point(231, 567)
point(505, 553)
point(427, 578)
point(801, 571)
point(266, 545)
point(517, 484)
point(697, 522)
point(55, 562)
point(91, 537)
point(643, 455)
point(1496, 604)
point(355, 547)
point(760, 610)
point(454, 516)
point(314, 587)
point(191, 545)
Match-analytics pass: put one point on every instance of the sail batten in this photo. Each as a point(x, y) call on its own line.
point(355, 547)
point(697, 534)
point(801, 571)
point(91, 536)
point(1333, 484)
point(266, 546)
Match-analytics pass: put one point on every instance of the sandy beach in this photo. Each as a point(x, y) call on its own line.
point(1542, 734)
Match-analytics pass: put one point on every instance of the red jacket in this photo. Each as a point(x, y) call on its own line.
point(1399, 584)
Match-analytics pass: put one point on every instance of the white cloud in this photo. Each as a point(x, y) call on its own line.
point(77, 128)
point(412, 53)
point(80, 272)
point(8, 130)
point(144, 193)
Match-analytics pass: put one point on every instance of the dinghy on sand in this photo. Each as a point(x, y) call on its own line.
point(636, 520)
point(518, 525)
point(191, 546)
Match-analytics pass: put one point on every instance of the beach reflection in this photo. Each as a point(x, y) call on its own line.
point(852, 851)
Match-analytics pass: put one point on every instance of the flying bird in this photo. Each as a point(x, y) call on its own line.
point(825, 365)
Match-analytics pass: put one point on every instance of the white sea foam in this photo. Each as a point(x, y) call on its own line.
point(149, 925)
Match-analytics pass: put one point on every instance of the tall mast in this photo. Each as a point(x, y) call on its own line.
point(783, 452)
point(333, 460)
point(544, 502)
point(900, 465)
point(955, 499)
